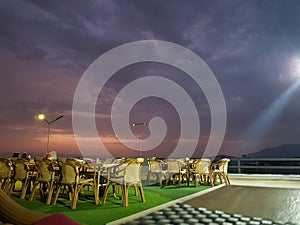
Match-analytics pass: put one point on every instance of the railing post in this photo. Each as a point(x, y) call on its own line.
point(239, 165)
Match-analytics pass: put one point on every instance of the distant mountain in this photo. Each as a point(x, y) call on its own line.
point(282, 151)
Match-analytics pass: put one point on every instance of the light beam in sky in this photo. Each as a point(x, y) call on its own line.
point(264, 122)
point(295, 68)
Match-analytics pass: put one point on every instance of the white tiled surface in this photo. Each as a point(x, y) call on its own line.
point(266, 180)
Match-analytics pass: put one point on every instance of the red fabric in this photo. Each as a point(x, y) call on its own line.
point(57, 218)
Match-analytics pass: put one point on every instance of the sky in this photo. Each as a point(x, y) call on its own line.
point(251, 47)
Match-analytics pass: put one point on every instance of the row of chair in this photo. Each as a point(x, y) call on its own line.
point(46, 175)
point(197, 170)
point(14, 170)
point(50, 177)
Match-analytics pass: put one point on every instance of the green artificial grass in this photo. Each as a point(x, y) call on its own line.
point(89, 213)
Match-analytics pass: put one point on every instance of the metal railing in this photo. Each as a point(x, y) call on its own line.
point(265, 165)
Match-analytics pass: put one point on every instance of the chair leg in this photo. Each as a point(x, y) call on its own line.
point(148, 177)
point(33, 191)
point(179, 180)
point(96, 194)
point(213, 180)
point(56, 194)
point(24, 189)
point(135, 190)
point(142, 193)
point(167, 180)
point(50, 193)
point(76, 192)
point(105, 193)
point(227, 179)
point(221, 178)
point(196, 177)
point(96, 187)
point(7, 185)
point(117, 190)
point(3, 184)
point(125, 194)
point(160, 178)
point(205, 179)
point(11, 187)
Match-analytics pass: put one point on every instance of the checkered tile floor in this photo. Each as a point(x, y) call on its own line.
point(186, 215)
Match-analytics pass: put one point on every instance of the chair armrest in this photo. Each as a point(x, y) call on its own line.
point(214, 166)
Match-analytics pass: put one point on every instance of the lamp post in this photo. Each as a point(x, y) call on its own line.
point(42, 117)
point(139, 135)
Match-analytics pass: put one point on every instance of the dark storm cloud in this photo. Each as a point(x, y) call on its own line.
point(58, 29)
point(47, 45)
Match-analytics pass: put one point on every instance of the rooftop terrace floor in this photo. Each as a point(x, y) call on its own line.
point(273, 203)
point(271, 197)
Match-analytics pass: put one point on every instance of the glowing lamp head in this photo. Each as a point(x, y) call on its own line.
point(41, 116)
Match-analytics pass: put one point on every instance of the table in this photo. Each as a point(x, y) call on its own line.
point(102, 173)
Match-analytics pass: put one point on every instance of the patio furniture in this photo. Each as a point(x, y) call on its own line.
point(174, 171)
point(187, 170)
point(219, 170)
point(201, 171)
point(6, 171)
point(102, 168)
point(70, 177)
point(25, 172)
point(125, 175)
point(155, 168)
point(45, 180)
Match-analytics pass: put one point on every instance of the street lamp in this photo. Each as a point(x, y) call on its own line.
point(139, 135)
point(42, 117)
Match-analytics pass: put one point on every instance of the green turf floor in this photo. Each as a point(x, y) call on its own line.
point(91, 214)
